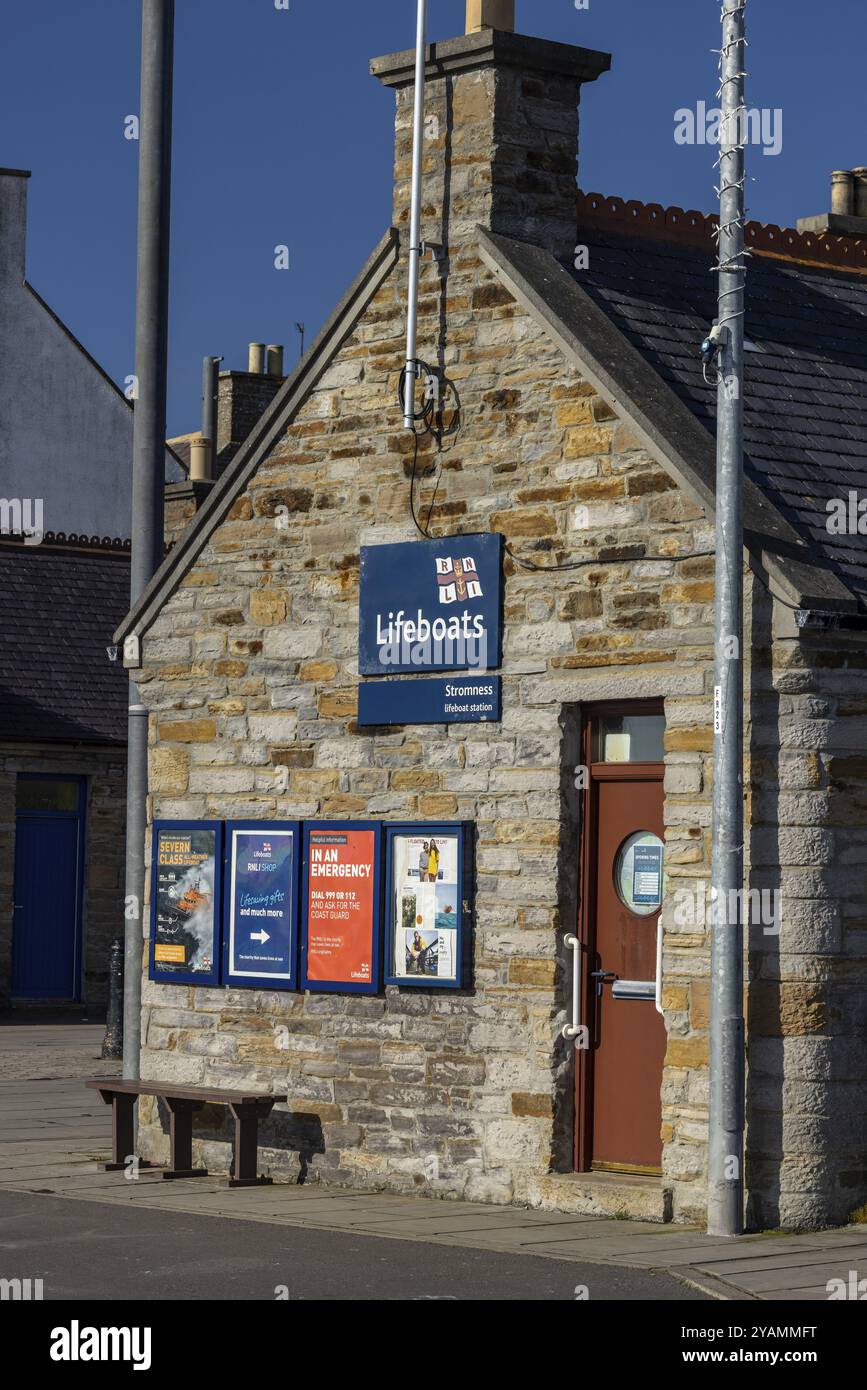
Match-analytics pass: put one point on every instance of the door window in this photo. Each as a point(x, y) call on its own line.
point(48, 794)
point(629, 738)
point(639, 873)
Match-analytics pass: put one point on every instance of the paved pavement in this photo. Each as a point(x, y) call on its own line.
point(49, 1050)
point(53, 1131)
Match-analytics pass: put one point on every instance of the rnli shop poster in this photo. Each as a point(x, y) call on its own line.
point(341, 906)
point(261, 908)
point(185, 902)
point(425, 874)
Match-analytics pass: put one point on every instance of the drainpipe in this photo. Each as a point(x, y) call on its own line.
point(726, 1107)
point(210, 386)
point(149, 453)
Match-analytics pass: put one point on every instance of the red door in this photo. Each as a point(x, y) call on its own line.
point(619, 1077)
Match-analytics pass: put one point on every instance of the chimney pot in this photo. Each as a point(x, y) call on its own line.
point(490, 14)
point(200, 459)
point(859, 179)
point(256, 360)
point(275, 359)
point(842, 193)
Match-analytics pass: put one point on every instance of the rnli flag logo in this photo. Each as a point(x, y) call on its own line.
point(458, 580)
point(266, 846)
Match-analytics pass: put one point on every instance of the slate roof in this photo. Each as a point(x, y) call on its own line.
point(58, 612)
point(633, 324)
point(805, 399)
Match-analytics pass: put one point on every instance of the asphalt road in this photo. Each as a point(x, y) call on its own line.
point(87, 1250)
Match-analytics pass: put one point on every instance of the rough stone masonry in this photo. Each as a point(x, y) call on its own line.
point(250, 677)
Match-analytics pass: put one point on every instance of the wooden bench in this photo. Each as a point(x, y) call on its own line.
point(247, 1107)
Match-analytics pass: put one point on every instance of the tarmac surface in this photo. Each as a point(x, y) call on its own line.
point(92, 1234)
point(81, 1250)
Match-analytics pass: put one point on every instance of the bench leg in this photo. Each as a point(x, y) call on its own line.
point(181, 1133)
point(122, 1131)
point(244, 1165)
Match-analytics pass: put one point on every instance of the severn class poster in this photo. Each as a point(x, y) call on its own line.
point(185, 916)
point(341, 897)
point(261, 905)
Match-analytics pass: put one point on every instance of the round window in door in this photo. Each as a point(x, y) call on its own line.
point(639, 873)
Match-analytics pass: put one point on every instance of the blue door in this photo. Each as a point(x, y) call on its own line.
point(49, 864)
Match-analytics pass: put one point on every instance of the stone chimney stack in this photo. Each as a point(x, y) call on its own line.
point(501, 132)
point(490, 14)
point(848, 215)
point(13, 223)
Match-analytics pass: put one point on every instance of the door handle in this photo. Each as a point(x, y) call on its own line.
point(658, 999)
point(573, 1029)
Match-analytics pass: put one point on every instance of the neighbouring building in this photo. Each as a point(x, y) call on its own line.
point(65, 468)
point(575, 421)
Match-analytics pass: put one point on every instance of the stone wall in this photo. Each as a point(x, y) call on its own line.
point(105, 770)
point(807, 1004)
point(251, 679)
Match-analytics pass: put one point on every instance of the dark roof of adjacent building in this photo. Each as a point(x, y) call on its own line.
point(59, 610)
point(805, 396)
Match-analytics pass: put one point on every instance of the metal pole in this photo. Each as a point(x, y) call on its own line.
point(210, 386)
point(726, 1137)
point(148, 475)
point(415, 217)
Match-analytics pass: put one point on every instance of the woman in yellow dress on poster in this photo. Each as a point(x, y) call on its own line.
point(433, 867)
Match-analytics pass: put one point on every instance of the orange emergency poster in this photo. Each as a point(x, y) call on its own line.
point(341, 887)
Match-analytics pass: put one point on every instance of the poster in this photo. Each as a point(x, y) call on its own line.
point(647, 874)
point(341, 907)
point(185, 904)
point(425, 868)
point(261, 905)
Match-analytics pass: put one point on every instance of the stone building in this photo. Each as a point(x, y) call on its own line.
point(65, 474)
point(574, 420)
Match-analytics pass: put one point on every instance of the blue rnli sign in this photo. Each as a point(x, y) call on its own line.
point(456, 700)
point(431, 605)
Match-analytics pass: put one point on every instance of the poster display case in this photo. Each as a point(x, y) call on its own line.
point(260, 935)
point(186, 880)
point(341, 907)
point(428, 905)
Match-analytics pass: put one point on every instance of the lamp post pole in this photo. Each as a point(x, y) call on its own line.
point(726, 1136)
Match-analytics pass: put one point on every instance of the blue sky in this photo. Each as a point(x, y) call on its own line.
point(281, 136)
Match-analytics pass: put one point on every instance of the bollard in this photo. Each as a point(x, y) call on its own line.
point(112, 1043)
